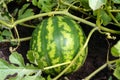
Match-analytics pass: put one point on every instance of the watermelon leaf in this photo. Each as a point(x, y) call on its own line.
point(16, 58)
point(25, 12)
point(6, 33)
point(19, 70)
point(34, 58)
point(85, 3)
point(33, 78)
point(105, 17)
point(117, 73)
point(44, 5)
point(117, 70)
point(110, 78)
point(118, 17)
point(28, 77)
point(4, 14)
point(116, 1)
point(1, 38)
point(115, 50)
point(96, 4)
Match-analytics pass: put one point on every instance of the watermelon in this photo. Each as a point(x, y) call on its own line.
point(57, 40)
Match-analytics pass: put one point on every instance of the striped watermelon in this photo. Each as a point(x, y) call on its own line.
point(57, 40)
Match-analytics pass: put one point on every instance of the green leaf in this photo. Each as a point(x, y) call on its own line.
point(110, 78)
point(49, 78)
point(117, 73)
point(28, 77)
point(4, 17)
point(34, 2)
point(117, 63)
point(21, 70)
point(6, 69)
point(33, 78)
point(5, 1)
point(14, 43)
point(6, 33)
point(45, 5)
point(96, 4)
point(1, 38)
point(105, 17)
point(115, 50)
point(4, 14)
point(116, 1)
point(17, 58)
point(21, 11)
point(85, 3)
point(118, 17)
point(31, 56)
point(25, 12)
point(34, 58)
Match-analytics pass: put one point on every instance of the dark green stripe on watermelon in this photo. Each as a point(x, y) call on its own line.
point(58, 39)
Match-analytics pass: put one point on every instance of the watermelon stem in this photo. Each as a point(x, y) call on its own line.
point(92, 24)
point(64, 12)
point(76, 57)
point(18, 41)
point(100, 68)
point(57, 65)
point(82, 10)
point(15, 40)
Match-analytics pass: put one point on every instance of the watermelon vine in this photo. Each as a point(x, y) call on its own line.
point(58, 45)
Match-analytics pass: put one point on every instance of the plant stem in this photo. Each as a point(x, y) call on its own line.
point(15, 40)
point(65, 12)
point(91, 24)
point(116, 11)
point(80, 19)
point(99, 69)
point(6, 24)
point(76, 57)
point(37, 16)
point(74, 7)
point(95, 72)
point(57, 65)
point(26, 25)
point(111, 15)
point(54, 12)
point(18, 41)
point(109, 30)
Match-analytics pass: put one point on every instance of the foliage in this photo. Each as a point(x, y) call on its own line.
point(96, 4)
point(115, 50)
point(102, 15)
point(25, 12)
point(45, 5)
point(5, 34)
point(18, 69)
point(4, 14)
point(116, 1)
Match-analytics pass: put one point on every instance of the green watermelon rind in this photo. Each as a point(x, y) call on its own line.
point(57, 39)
